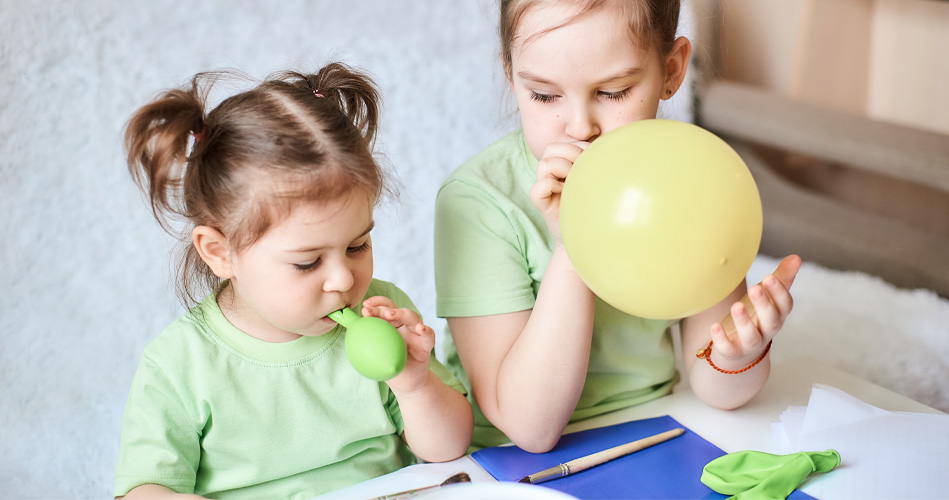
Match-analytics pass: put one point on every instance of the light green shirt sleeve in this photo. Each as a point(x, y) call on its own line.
point(158, 426)
point(491, 244)
point(480, 264)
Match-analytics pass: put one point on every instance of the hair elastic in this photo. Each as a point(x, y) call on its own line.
point(199, 134)
point(317, 93)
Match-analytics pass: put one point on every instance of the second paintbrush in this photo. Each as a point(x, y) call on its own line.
point(600, 457)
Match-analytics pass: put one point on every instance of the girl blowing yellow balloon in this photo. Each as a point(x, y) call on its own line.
point(250, 393)
point(536, 346)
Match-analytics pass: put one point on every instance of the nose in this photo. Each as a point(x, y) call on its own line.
point(339, 278)
point(582, 124)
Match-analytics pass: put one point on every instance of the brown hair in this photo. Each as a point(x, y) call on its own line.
point(654, 22)
point(292, 137)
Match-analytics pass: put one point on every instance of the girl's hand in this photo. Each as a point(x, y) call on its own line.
point(551, 173)
point(772, 303)
point(419, 341)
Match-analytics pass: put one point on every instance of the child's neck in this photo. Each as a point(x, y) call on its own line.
point(235, 312)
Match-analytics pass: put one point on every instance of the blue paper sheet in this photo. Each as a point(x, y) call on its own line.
point(667, 470)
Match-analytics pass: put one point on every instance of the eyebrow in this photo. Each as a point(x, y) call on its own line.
point(527, 75)
point(372, 224)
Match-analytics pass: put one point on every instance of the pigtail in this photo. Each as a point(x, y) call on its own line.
point(157, 138)
point(353, 92)
point(346, 105)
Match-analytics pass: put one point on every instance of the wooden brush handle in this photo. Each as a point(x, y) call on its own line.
point(601, 457)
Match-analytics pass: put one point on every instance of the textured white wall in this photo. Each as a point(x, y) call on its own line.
point(84, 270)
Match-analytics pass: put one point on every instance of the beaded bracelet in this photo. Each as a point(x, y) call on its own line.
point(707, 354)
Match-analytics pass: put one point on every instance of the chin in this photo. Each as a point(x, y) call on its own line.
point(322, 327)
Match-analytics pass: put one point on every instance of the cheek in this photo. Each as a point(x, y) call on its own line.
point(362, 273)
point(641, 107)
point(538, 133)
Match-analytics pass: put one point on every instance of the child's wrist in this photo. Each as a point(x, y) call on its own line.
point(731, 366)
point(415, 389)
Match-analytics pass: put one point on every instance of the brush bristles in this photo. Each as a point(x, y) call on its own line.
point(461, 477)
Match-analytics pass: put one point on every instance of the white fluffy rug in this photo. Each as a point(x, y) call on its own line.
point(84, 269)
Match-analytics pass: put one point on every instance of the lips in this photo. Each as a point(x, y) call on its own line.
point(327, 318)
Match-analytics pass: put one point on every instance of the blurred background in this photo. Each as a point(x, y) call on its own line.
point(84, 270)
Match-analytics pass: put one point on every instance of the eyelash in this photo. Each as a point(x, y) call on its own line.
point(360, 249)
point(351, 250)
point(616, 96)
point(544, 98)
point(613, 96)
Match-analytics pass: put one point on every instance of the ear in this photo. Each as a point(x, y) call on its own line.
point(211, 245)
point(676, 64)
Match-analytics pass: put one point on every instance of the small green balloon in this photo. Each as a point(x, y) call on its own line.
point(373, 346)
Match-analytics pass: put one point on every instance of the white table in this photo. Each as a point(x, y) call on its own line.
point(746, 428)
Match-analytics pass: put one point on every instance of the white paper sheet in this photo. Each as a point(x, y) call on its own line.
point(884, 454)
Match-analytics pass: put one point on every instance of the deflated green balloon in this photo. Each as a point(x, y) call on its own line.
point(755, 475)
point(373, 346)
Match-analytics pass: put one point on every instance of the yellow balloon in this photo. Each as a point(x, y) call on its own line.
point(661, 219)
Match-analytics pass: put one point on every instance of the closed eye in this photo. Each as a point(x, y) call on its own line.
point(307, 267)
point(359, 249)
point(615, 96)
point(544, 98)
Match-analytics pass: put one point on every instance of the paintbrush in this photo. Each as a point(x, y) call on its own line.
point(460, 477)
point(600, 457)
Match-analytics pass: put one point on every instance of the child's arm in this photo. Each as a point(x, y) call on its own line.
point(154, 491)
point(772, 301)
point(438, 419)
point(527, 369)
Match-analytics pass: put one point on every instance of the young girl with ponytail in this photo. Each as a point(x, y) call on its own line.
point(249, 394)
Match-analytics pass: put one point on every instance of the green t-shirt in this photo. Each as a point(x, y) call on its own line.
point(491, 250)
point(217, 412)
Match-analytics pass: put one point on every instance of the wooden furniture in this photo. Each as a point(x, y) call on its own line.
point(905, 165)
point(839, 109)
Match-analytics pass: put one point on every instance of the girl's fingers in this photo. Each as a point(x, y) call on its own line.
point(427, 337)
point(397, 317)
point(545, 189)
point(553, 168)
point(749, 338)
point(420, 341)
point(557, 160)
point(419, 338)
point(773, 307)
point(378, 300)
point(780, 295)
point(378, 311)
point(566, 150)
point(722, 343)
point(787, 270)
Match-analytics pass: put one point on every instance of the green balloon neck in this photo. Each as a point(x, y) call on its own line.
point(344, 316)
